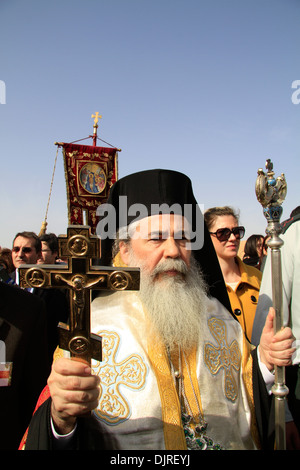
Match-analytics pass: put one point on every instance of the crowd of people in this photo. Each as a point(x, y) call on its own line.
point(188, 359)
point(28, 331)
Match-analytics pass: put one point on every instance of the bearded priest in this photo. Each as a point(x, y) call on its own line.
point(177, 372)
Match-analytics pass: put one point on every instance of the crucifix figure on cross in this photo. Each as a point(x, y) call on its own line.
point(79, 247)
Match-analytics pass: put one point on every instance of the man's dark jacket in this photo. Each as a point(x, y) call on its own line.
point(23, 330)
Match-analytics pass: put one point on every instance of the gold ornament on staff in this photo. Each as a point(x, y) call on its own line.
point(271, 193)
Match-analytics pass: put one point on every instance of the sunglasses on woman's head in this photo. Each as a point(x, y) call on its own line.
point(223, 234)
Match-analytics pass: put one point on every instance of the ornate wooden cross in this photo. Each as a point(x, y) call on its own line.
point(79, 247)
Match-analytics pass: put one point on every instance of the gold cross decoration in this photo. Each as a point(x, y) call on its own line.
point(97, 117)
point(223, 357)
point(113, 407)
point(79, 247)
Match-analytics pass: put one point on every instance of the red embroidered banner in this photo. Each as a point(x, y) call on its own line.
point(90, 172)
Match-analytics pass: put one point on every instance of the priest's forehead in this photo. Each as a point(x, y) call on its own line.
point(161, 226)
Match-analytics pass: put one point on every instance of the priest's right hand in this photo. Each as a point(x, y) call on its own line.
point(74, 392)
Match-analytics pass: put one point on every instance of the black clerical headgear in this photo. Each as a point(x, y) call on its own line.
point(158, 191)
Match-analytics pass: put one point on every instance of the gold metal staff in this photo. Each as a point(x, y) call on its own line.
point(271, 193)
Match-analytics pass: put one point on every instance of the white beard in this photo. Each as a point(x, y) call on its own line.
point(176, 305)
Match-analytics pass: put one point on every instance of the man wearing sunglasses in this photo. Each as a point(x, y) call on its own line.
point(26, 249)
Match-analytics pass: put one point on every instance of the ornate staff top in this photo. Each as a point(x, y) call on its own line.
point(271, 192)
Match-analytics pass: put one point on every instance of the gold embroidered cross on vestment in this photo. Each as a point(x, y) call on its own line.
point(113, 407)
point(223, 357)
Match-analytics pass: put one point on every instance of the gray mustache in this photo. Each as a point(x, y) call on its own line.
point(170, 264)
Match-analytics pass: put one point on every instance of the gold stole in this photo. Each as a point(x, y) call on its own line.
point(171, 409)
point(170, 404)
point(247, 368)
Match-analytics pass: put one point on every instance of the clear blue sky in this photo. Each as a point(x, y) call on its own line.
point(199, 86)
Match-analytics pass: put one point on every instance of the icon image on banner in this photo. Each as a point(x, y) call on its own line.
point(92, 178)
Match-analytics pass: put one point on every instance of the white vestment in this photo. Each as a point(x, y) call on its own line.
point(137, 406)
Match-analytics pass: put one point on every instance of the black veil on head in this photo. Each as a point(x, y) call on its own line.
point(158, 187)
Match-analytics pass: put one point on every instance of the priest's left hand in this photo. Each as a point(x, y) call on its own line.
point(276, 349)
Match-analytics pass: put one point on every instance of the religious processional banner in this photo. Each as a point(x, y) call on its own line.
point(90, 172)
